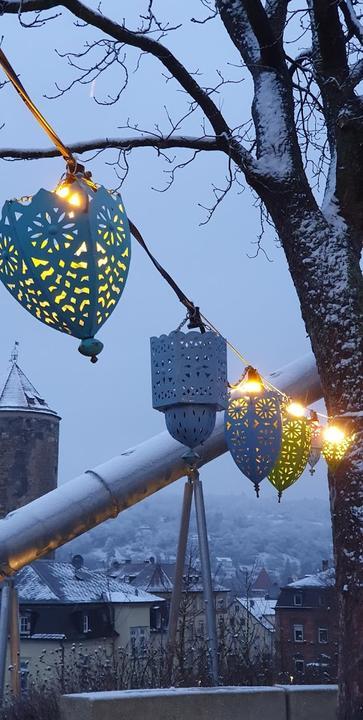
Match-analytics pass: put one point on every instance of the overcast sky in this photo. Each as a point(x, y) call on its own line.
point(106, 407)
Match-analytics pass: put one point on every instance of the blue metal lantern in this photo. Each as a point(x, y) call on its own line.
point(65, 256)
point(189, 382)
point(253, 427)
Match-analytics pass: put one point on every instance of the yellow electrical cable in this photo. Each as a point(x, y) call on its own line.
point(9, 71)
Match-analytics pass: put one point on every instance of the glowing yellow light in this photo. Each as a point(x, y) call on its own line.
point(251, 383)
point(75, 199)
point(295, 409)
point(333, 434)
point(251, 386)
point(63, 191)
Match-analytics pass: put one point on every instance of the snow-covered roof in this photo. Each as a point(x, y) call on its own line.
point(321, 579)
point(153, 579)
point(262, 609)
point(18, 393)
point(48, 581)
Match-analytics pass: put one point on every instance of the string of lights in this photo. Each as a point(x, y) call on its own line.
point(79, 236)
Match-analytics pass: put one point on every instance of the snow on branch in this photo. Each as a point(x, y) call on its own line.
point(353, 23)
point(153, 141)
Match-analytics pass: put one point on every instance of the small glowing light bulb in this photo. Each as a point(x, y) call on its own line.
point(63, 191)
point(295, 409)
point(333, 434)
point(252, 382)
point(75, 199)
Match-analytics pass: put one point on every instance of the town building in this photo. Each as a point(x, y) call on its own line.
point(158, 578)
point(67, 611)
point(307, 629)
point(253, 623)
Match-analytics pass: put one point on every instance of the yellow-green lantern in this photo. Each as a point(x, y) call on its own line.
point(335, 444)
point(295, 448)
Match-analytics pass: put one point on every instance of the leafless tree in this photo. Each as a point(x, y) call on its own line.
point(306, 127)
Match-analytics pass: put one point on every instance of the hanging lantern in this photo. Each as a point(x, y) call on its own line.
point(335, 444)
point(316, 441)
point(189, 382)
point(253, 427)
point(65, 255)
point(295, 448)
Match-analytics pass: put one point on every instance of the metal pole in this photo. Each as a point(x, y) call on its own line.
point(96, 495)
point(179, 573)
point(4, 630)
point(210, 612)
point(14, 641)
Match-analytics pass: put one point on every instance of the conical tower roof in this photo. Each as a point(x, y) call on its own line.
point(18, 393)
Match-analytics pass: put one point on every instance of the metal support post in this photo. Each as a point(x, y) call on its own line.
point(179, 573)
point(14, 641)
point(210, 612)
point(4, 630)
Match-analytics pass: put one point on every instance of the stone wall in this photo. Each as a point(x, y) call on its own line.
point(293, 702)
point(28, 458)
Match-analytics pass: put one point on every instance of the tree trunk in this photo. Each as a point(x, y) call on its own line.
point(324, 263)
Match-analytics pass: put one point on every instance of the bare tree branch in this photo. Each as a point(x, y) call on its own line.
point(153, 141)
point(145, 43)
point(352, 21)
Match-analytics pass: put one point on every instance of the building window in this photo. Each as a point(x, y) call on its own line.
point(86, 624)
point(220, 604)
point(24, 673)
point(138, 638)
point(298, 599)
point(201, 627)
point(24, 625)
point(322, 600)
point(299, 666)
point(323, 635)
point(298, 633)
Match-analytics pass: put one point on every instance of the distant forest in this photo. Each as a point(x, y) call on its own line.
point(290, 539)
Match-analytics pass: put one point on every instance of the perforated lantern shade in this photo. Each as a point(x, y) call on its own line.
point(334, 452)
point(315, 447)
point(253, 433)
point(66, 263)
point(295, 448)
point(189, 382)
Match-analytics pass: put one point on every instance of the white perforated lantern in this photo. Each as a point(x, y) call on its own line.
point(189, 382)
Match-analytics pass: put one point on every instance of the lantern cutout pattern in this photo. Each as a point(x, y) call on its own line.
point(316, 442)
point(65, 256)
point(253, 427)
point(335, 444)
point(189, 382)
point(295, 448)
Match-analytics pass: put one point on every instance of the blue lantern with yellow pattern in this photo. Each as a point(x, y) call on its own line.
point(65, 256)
point(253, 427)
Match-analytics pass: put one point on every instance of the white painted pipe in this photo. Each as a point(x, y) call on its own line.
point(78, 505)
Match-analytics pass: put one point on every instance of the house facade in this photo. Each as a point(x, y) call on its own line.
point(70, 616)
point(307, 629)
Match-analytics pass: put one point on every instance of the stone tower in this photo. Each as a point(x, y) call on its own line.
point(29, 432)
